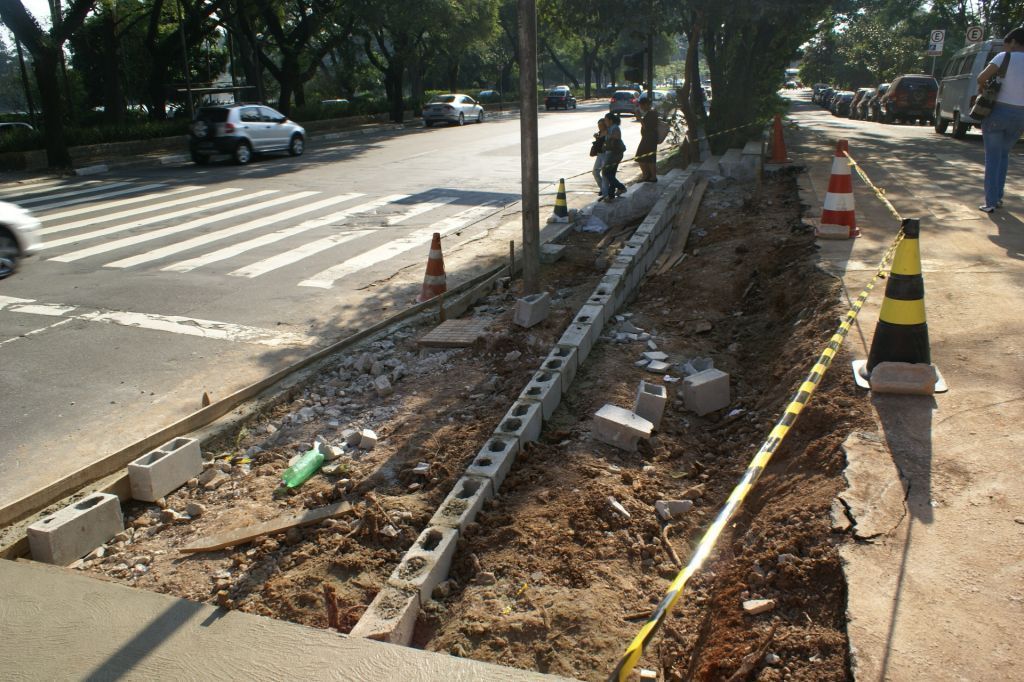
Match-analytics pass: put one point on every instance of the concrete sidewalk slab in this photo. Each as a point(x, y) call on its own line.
point(57, 625)
point(936, 582)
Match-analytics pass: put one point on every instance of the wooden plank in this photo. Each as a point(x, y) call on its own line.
point(278, 525)
point(673, 255)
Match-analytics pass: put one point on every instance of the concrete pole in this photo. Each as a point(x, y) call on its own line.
point(649, 75)
point(528, 144)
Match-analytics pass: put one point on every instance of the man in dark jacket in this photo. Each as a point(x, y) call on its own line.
point(646, 152)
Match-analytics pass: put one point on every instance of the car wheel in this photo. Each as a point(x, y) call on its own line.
point(480, 116)
point(462, 119)
point(297, 145)
point(574, 106)
point(428, 124)
point(243, 153)
point(200, 159)
point(959, 129)
point(941, 124)
point(9, 253)
point(889, 118)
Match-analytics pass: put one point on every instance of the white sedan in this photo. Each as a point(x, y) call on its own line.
point(19, 236)
point(452, 109)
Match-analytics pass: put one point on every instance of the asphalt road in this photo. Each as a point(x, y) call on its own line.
point(158, 284)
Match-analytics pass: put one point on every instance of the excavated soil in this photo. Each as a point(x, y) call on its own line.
point(551, 577)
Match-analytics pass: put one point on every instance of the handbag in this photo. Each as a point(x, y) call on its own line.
point(597, 147)
point(984, 102)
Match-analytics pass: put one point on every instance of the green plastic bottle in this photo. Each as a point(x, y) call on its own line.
point(308, 464)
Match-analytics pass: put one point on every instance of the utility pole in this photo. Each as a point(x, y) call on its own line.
point(649, 75)
point(528, 144)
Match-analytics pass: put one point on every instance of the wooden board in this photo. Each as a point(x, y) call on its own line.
point(673, 255)
point(455, 333)
point(278, 525)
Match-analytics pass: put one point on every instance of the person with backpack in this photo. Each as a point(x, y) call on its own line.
point(597, 151)
point(614, 148)
point(1003, 126)
point(647, 150)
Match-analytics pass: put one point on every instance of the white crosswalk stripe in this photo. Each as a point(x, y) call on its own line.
point(26, 190)
point(175, 229)
point(79, 189)
point(327, 278)
point(420, 209)
point(163, 217)
point(203, 240)
point(94, 197)
point(107, 205)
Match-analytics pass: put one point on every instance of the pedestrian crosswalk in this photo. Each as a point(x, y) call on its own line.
point(313, 238)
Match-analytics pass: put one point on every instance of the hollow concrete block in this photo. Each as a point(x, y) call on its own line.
point(650, 402)
point(580, 337)
point(463, 502)
point(523, 422)
point(391, 617)
point(620, 427)
point(564, 360)
point(76, 530)
point(706, 392)
point(165, 469)
point(494, 460)
point(551, 253)
point(545, 388)
point(532, 309)
point(426, 564)
point(593, 314)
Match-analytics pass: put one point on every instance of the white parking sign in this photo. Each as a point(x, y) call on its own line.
point(975, 34)
point(935, 41)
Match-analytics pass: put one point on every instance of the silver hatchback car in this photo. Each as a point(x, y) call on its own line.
point(452, 108)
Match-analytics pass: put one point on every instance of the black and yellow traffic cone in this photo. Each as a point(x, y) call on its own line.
point(561, 213)
point(900, 358)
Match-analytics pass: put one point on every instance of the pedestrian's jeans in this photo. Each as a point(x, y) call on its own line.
point(611, 182)
point(1000, 131)
point(602, 186)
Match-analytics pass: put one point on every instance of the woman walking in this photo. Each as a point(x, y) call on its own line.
point(597, 151)
point(647, 150)
point(614, 148)
point(1003, 127)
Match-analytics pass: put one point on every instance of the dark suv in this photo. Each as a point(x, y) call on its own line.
point(242, 130)
point(910, 98)
point(560, 98)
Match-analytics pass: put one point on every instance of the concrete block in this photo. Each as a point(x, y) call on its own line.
point(611, 286)
point(551, 253)
point(906, 378)
point(581, 337)
point(562, 359)
point(545, 388)
point(706, 392)
point(620, 427)
point(463, 502)
point(165, 469)
point(593, 314)
point(670, 509)
point(532, 309)
point(92, 170)
point(523, 422)
point(391, 617)
point(710, 166)
point(367, 439)
point(426, 564)
point(731, 163)
point(650, 402)
point(76, 530)
point(494, 460)
point(628, 251)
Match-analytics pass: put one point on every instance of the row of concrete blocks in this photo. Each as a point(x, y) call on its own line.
point(391, 617)
point(81, 527)
point(740, 164)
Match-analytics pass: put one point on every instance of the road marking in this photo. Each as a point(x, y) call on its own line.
point(174, 324)
point(92, 187)
point(107, 205)
point(327, 278)
point(173, 229)
point(288, 257)
point(204, 239)
point(163, 217)
point(417, 209)
point(82, 200)
point(32, 188)
point(264, 240)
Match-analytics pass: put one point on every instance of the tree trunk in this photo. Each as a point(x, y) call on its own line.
point(393, 86)
point(588, 64)
point(453, 73)
point(46, 64)
point(113, 93)
point(416, 85)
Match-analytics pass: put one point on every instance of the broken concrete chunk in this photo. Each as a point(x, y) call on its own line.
point(905, 378)
point(195, 510)
point(753, 607)
point(383, 386)
point(658, 366)
point(619, 509)
point(656, 355)
point(367, 439)
point(695, 365)
point(364, 363)
point(351, 437)
point(422, 469)
point(620, 427)
point(669, 509)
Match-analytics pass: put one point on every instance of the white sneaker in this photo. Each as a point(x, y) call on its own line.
point(986, 209)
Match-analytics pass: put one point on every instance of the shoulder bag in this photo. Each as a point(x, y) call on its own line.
point(984, 102)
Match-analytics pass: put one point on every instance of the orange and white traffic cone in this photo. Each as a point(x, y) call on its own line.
point(838, 219)
point(434, 282)
point(779, 154)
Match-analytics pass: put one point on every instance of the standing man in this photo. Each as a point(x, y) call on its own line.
point(647, 151)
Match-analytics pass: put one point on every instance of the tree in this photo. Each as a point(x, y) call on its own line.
point(46, 48)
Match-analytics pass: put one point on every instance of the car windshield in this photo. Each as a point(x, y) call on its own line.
point(212, 114)
point(559, 92)
point(623, 95)
point(918, 85)
point(443, 99)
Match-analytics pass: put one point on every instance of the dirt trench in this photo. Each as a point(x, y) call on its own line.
point(550, 577)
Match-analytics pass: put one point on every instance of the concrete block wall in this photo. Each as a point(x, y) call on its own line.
point(523, 421)
point(545, 388)
point(564, 360)
point(425, 565)
point(463, 502)
point(494, 460)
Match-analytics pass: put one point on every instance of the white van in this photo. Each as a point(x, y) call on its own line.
point(959, 86)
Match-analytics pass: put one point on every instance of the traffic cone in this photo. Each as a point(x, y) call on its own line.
point(900, 357)
point(561, 214)
point(779, 154)
point(434, 282)
point(838, 220)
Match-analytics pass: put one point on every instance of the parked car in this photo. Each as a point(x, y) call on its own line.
point(19, 237)
point(13, 128)
point(959, 87)
point(816, 90)
point(862, 109)
point(488, 96)
point(242, 131)
point(840, 105)
point(664, 101)
point(825, 97)
point(560, 97)
point(874, 112)
point(910, 98)
point(855, 104)
point(452, 108)
point(624, 102)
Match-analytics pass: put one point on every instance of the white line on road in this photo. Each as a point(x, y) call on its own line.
point(43, 309)
point(107, 205)
point(327, 278)
point(82, 200)
point(10, 300)
point(37, 331)
point(92, 187)
point(174, 229)
point(417, 209)
point(263, 240)
point(204, 239)
point(32, 188)
point(163, 217)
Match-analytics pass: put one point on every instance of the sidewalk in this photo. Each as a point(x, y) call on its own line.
point(935, 568)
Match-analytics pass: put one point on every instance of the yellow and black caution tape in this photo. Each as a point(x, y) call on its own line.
point(757, 465)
